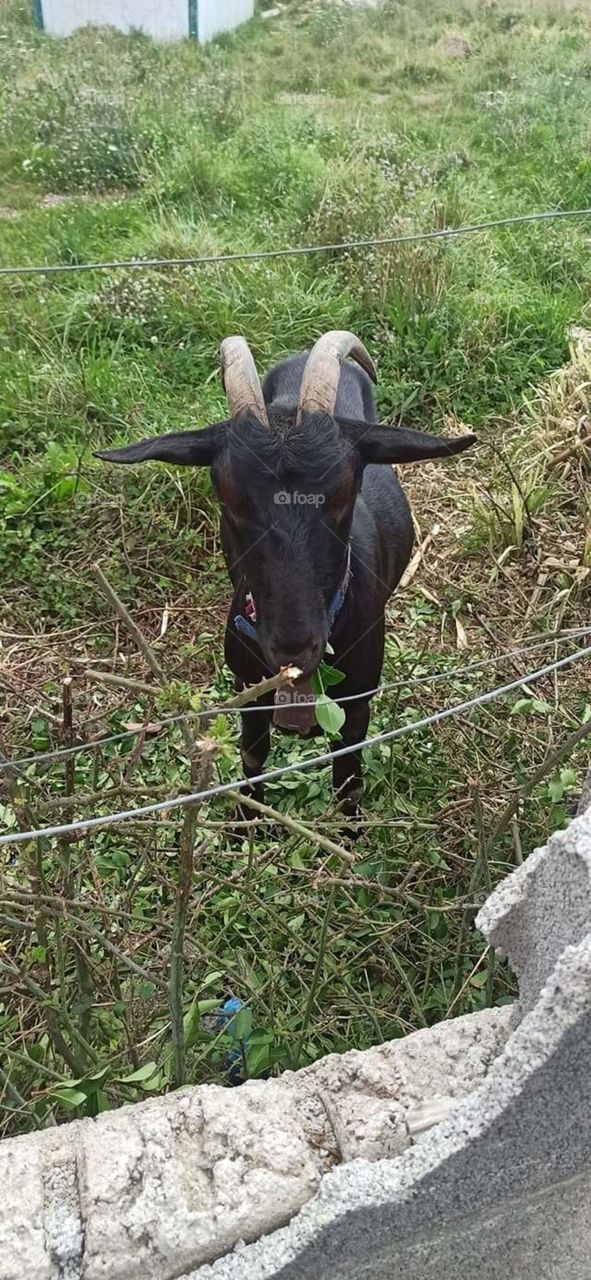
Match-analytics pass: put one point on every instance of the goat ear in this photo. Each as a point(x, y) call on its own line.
point(184, 448)
point(401, 444)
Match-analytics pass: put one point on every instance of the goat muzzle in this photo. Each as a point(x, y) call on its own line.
point(294, 710)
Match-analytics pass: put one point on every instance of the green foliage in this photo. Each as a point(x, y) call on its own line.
point(320, 125)
point(329, 715)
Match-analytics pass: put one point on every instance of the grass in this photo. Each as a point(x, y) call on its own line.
point(319, 125)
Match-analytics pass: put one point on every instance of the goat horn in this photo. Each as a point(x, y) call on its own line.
point(318, 392)
point(241, 380)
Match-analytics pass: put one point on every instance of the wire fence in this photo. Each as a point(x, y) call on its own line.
point(56, 914)
point(204, 714)
point(207, 712)
point(262, 255)
point(298, 766)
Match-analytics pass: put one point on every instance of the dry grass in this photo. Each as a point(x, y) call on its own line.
point(324, 124)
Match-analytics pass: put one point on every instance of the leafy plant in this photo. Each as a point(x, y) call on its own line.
point(329, 715)
point(320, 126)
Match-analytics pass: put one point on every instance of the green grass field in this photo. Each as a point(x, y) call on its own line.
point(319, 125)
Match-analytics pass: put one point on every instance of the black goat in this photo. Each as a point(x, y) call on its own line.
point(316, 530)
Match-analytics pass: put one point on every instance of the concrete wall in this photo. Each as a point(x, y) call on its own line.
point(463, 1150)
point(162, 19)
point(216, 16)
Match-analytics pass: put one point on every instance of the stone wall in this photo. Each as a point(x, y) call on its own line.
point(462, 1150)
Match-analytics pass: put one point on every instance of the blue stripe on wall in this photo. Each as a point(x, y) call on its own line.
point(193, 22)
point(38, 13)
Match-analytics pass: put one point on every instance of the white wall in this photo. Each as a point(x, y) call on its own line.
point(216, 16)
point(162, 19)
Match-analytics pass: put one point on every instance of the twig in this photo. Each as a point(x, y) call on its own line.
point(242, 699)
point(103, 796)
point(316, 975)
point(293, 824)
point(415, 561)
point(121, 682)
point(136, 753)
point(68, 729)
point(12, 1092)
point(132, 626)
point(406, 982)
point(201, 765)
point(359, 882)
point(52, 1020)
point(480, 869)
point(119, 955)
point(457, 998)
point(552, 759)
point(85, 983)
point(580, 445)
point(11, 922)
point(142, 645)
point(253, 692)
point(58, 912)
point(516, 840)
point(12, 784)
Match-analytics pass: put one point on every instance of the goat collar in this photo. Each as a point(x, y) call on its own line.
point(247, 624)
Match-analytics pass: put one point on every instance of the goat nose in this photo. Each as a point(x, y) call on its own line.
point(296, 652)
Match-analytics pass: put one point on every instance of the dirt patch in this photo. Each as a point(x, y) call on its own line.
point(514, 519)
point(59, 199)
point(453, 47)
point(7, 214)
point(53, 200)
point(431, 98)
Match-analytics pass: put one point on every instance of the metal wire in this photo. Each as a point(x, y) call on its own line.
point(217, 259)
point(298, 766)
point(61, 753)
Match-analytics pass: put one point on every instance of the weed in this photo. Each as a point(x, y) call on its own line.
point(326, 124)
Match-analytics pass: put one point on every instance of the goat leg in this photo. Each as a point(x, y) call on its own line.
point(255, 744)
point(347, 771)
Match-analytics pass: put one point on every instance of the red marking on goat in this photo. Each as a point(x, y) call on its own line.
point(229, 497)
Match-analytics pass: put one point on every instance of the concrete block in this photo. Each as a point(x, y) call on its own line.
point(463, 1150)
point(500, 1189)
point(154, 1189)
point(41, 1229)
point(361, 1093)
point(452, 1058)
point(369, 1095)
point(63, 1227)
point(542, 908)
point(173, 1181)
point(22, 1241)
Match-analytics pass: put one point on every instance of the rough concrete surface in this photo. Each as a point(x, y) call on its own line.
point(371, 1096)
point(151, 1190)
point(542, 908)
point(463, 1150)
point(499, 1190)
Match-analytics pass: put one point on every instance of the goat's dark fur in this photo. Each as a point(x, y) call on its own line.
point(292, 557)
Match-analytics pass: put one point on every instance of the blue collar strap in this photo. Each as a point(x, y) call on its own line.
point(247, 625)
